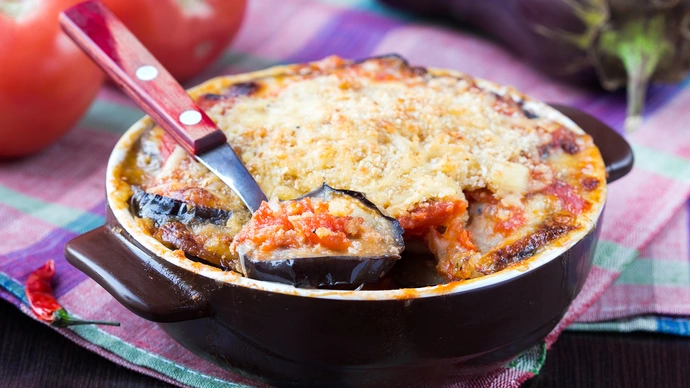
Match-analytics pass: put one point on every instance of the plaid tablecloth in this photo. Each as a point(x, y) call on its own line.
point(640, 279)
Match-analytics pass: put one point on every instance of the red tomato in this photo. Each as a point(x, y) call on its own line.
point(184, 35)
point(46, 82)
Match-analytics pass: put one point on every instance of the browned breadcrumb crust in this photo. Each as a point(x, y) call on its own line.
point(413, 140)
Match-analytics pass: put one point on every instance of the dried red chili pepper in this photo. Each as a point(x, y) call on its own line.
point(43, 303)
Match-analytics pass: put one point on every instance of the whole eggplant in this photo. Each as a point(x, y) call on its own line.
point(617, 42)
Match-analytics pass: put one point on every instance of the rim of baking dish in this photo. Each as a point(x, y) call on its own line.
point(127, 221)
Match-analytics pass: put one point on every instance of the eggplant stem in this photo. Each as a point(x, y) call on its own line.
point(640, 44)
point(636, 95)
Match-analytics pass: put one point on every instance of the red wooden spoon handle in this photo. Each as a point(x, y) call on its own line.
point(103, 37)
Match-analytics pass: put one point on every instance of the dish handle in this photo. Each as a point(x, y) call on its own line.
point(617, 153)
point(153, 289)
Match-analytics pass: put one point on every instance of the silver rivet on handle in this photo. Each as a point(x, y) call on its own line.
point(146, 73)
point(190, 117)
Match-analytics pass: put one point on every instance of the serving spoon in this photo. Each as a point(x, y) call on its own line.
point(102, 36)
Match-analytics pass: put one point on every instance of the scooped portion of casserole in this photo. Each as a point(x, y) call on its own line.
point(317, 226)
point(480, 174)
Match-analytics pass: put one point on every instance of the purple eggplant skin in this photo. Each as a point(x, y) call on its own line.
point(514, 22)
point(320, 272)
point(327, 271)
point(163, 209)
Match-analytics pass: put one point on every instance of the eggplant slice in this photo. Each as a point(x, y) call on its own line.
point(203, 233)
point(162, 209)
point(372, 249)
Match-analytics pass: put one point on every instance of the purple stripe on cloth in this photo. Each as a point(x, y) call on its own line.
point(352, 34)
point(4, 295)
point(20, 264)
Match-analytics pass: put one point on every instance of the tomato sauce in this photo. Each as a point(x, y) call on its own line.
point(453, 256)
point(500, 225)
point(589, 183)
point(566, 140)
point(299, 223)
point(431, 214)
point(506, 105)
point(456, 233)
point(516, 220)
point(568, 197)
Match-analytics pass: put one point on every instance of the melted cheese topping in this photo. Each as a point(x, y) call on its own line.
point(401, 142)
point(405, 137)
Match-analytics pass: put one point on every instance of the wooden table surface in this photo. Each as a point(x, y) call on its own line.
point(32, 355)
